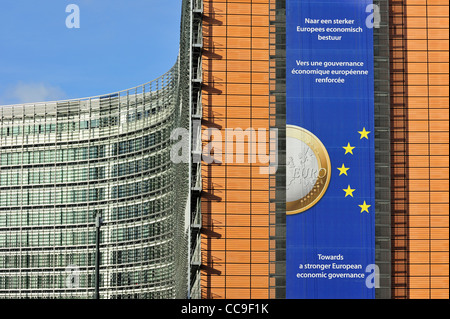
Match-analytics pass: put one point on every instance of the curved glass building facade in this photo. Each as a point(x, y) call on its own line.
point(63, 164)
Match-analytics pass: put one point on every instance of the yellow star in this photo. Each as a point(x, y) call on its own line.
point(348, 191)
point(343, 170)
point(364, 207)
point(364, 133)
point(348, 149)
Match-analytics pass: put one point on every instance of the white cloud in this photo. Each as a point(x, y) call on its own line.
point(32, 92)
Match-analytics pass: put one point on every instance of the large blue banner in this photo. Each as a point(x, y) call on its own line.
point(330, 172)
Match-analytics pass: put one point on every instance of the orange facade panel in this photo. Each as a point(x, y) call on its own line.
point(420, 91)
point(235, 203)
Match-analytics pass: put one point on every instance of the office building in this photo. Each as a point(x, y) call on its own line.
point(222, 227)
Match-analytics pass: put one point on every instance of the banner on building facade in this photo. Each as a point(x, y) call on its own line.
point(330, 174)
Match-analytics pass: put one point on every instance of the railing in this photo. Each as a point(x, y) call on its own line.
point(197, 71)
point(197, 108)
point(197, 178)
point(196, 217)
point(197, 36)
point(197, 6)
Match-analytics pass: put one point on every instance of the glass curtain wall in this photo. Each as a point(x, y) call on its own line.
point(64, 163)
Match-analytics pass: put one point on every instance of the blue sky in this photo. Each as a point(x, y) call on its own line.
point(120, 44)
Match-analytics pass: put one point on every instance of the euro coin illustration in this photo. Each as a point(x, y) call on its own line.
point(308, 170)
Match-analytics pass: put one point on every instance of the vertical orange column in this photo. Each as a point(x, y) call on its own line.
point(424, 94)
point(428, 122)
point(235, 203)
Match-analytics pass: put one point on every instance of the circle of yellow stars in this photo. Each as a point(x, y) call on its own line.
point(344, 170)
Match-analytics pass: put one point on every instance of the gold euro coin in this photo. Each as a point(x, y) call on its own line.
point(308, 170)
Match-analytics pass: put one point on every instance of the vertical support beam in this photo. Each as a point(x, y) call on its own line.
point(98, 224)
